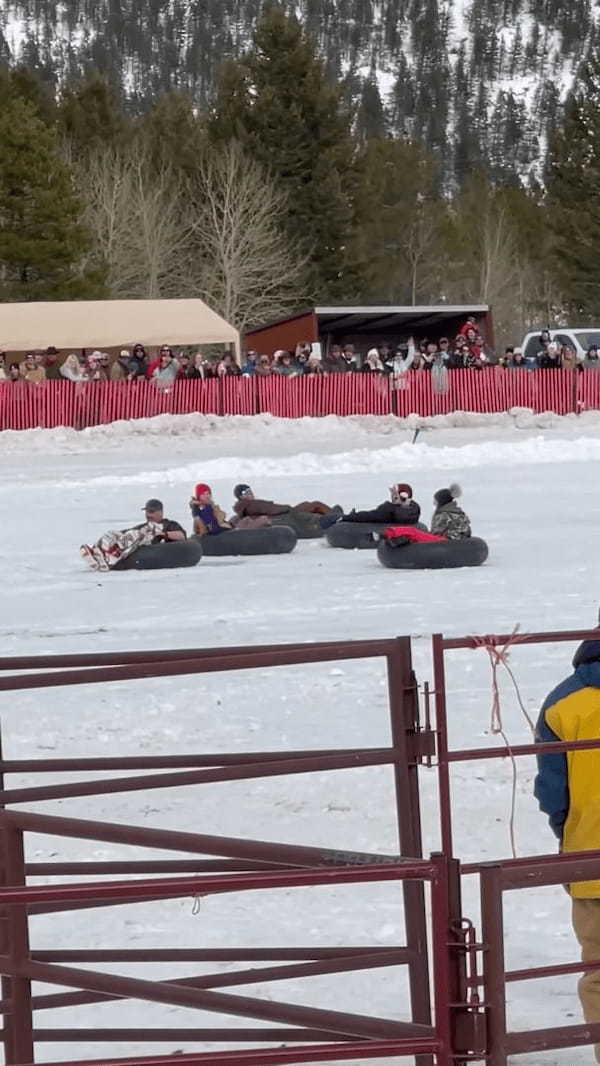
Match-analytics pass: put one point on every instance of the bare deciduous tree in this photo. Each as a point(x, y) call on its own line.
point(219, 236)
point(486, 266)
point(138, 225)
point(419, 244)
point(243, 266)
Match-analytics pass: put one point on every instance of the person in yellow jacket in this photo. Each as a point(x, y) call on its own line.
point(567, 787)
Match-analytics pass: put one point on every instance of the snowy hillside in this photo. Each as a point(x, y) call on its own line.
point(471, 78)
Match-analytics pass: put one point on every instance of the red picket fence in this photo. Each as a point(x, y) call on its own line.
point(61, 403)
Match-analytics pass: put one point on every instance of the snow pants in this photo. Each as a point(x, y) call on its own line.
point(586, 923)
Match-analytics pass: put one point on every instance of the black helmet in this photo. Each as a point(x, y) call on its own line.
point(241, 490)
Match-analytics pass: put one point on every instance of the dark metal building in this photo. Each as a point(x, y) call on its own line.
point(366, 327)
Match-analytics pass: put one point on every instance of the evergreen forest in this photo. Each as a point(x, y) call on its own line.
point(267, 155)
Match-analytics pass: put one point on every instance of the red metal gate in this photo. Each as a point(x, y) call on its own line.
point(240, 865)
point(502, 876)
point(469, 975)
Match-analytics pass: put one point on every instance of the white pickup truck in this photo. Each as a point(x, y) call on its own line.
point(579, 339)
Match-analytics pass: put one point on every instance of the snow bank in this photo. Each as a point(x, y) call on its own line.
point(198, 427)
point(405, 457)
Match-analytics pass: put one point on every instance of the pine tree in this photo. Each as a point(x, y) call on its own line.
point(573, 184)
point(371, 120)
point(42, 242)
point(90, 116)
point(290, 119)
point(29, 85)
point(401, 222)
point(172, 135)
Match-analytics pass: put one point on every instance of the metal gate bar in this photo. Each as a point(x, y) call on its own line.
point(510, 874)
point(238, 859)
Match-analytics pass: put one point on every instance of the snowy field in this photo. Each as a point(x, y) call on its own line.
point(530, 485)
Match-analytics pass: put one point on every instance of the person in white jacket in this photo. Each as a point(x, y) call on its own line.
point(71, 369)
point(400, 364)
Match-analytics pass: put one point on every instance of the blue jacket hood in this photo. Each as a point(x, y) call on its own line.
point(588, 652)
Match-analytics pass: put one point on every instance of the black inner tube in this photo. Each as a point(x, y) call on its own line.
point(440, 555)
point(166, 556)
point(272, 540)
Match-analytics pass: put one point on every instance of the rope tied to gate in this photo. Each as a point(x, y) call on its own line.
point(498, 654)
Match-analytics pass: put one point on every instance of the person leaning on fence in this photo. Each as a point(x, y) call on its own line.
point(32, 372)
point(404, 359)
point(263, 367)
point(349, 357)
point(568, 358)
point(334, 363)
point(314, 366)
point(517, 360)
point(185, 367)
point(72, 370)
point(284, 365)
point(249, 364)
point(550, 359)
point(228, 366)
point(567, 788)
point(166, 372)
point(119, 370)
point(138, 362)
point(95, 369)
point(195, 370)
point(372, 363)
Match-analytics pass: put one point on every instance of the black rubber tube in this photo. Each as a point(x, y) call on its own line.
point(357, 534)
point(274, 540)
point(166, 556)
point(441, 555)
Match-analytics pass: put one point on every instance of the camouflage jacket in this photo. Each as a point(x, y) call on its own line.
point(451, 521)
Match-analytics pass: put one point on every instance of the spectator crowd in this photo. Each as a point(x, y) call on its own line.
point(467, 350)
point(164, 368)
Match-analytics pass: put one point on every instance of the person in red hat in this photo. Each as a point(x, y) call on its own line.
point(400, 510)
point(208, 517)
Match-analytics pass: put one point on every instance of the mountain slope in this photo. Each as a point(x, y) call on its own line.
point(476, 80)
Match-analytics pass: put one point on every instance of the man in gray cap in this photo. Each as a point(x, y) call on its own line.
point(113, 547)
point(170, 530)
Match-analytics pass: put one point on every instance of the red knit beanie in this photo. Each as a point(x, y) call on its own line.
point(202, 490)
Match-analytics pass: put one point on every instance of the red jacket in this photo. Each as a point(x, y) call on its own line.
point(466, 326)
point(415, 536)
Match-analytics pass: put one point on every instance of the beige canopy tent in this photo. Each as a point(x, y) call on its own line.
point(112, 324)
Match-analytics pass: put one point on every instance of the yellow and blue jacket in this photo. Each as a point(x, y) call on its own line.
point(567, 785)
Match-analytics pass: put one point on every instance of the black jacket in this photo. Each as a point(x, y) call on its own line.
point(397, 514)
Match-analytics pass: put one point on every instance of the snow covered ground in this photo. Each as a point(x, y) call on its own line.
point(531, 487)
